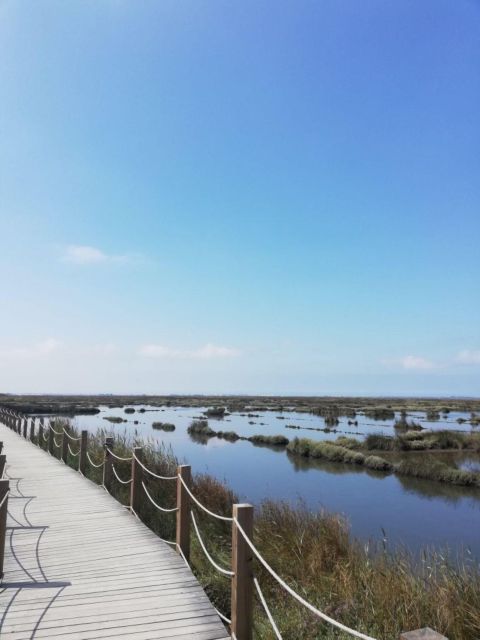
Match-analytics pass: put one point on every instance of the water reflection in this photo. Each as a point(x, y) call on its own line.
point(414, 512)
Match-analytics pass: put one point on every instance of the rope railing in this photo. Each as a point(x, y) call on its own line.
point(118, 477)
point(94, 464)
point(69, 436)
point(199, 504)
point(225, 572)
point(74, 454)
point(154, 475)
point(118, 457)
point(293, 593)
point(57, 433)
point(219, 613)
point(244, 582)
point(5, 498)
point(267, 610)
point(154, 503)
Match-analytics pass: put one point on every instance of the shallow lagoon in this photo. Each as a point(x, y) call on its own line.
point(411, 512)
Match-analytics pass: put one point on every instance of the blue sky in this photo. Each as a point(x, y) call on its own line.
point(221, 197)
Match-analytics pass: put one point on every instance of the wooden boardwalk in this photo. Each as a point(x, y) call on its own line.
point(78, 565)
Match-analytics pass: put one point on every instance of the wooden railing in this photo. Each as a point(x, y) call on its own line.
point(244, 552)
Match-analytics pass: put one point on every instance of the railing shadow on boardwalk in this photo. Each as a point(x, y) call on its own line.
point(33, 546)
point(243, 581)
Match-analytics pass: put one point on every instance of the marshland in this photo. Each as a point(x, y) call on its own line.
point(403, 472)
point(317, 546)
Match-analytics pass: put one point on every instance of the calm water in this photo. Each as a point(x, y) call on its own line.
point(414, 513)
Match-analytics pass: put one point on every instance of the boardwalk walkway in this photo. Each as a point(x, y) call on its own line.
point(79, 566)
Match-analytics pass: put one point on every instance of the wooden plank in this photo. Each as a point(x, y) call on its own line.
point(120, 580)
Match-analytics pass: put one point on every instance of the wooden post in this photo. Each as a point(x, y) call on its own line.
point(136, 489)
point(32, 429)
point(51, 445)
point(40, 434)
point(3, 460)
point(4, 487)
point(183, 514)
point(64, 447)
point(18, 423)
point(82, 459)
point(422, 634)
point(242, 580)
point(107, 467)
point(25, 427)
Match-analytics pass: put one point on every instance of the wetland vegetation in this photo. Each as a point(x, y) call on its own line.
point(369, 587)
point(377, 408)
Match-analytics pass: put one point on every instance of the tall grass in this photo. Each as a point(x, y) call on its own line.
point(346, 450)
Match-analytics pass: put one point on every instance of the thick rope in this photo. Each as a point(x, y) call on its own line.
point(4, 499)
point(72, 453)
point(162, 539)
point(155, 475)
point(220, 615)
point(197, 502)
point(118, 457)
point(57, 433)
point(44, 436)
point(209, 557)
point(56, 443)
point(93, 463)
point(154, 503)
point(118, 477)
point(267, 610)
point(69, 436)
point(227, 620)
point(294, 594)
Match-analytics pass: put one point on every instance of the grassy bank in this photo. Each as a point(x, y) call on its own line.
point(366, 454)
point(366, 588)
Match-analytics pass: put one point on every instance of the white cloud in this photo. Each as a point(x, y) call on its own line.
point(468, 356)
point(83, 254)
point(207, 352)
point(416, 363)
point(43, 348)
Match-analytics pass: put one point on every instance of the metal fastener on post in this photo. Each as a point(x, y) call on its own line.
point(184, 472)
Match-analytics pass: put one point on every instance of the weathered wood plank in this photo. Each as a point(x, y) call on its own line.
point(115, 578)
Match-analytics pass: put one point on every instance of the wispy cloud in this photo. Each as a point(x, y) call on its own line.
point(416, 363)
point(86, 255)
point(43, 348)
point(207, 352)
point(411, 363)
point(468, 356)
